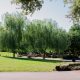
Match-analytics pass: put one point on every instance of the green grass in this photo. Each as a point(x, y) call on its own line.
point(9, 64)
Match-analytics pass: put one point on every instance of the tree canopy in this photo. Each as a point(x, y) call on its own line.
point(74, 33)
point(29, 6)
point(11, 37)
point(74, 9)
point(43, 36)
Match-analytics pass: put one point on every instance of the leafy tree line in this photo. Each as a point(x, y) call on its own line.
point(19, 35)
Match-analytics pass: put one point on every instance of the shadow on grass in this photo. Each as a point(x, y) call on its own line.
point(34, 59)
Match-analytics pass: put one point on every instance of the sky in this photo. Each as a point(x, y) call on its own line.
point(53, 9)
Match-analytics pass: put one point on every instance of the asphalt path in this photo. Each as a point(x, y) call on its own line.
point(68, 75)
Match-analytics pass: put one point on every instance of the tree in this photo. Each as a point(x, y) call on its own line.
point(75, 39)
point(2, 38)
point(38, 35)
point(44, 36)
point(14, 25)
point(35, 37)
point(29, 6)
point(62, 41)
point(74, 9)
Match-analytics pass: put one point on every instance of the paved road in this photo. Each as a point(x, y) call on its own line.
point(73, 75)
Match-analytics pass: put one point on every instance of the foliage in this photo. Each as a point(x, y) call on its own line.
point(29, 6)
point(62, 41)
point(12, 35)
point(41, 36)
point(75, 38)
point(74, 9)
point(45, 36)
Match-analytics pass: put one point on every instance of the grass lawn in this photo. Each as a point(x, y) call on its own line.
point(8, 64)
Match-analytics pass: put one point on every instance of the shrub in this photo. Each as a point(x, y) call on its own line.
point(69, 67)
point(63, 68)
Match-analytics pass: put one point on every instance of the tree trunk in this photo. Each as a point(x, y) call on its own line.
point(13, 55)
point(44, 55)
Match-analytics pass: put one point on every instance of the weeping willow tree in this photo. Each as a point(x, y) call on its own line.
point(12, 36)
point(44, 36)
